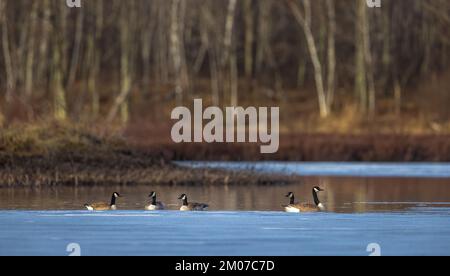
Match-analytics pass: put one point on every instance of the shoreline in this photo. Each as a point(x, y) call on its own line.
point(54, 155)
point(131, 169)
point(315, 148)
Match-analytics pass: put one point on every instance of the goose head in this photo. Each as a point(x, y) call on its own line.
point(318, 189)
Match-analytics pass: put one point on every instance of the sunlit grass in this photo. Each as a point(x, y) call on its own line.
point(48, 138)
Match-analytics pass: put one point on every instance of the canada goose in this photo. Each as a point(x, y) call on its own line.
point(192, 206)
point(304, 207)
point(154, 205)
point(102, 206)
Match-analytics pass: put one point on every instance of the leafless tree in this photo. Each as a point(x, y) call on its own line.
point(105, 58)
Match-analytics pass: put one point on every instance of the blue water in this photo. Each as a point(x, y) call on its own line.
point(422, 228)
point(419, 231)
point(360, 169)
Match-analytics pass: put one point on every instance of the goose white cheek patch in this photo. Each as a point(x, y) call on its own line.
point(250, 125)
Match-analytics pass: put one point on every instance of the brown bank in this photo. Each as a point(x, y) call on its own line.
point(54, 154)
point(59, 155)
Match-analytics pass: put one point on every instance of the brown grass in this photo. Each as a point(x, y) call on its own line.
point(56, 154)
point(324, 147)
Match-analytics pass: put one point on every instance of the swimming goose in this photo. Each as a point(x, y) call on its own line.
point(154, 205)
point(304, 207)
point(102, 206)
point(192, 206)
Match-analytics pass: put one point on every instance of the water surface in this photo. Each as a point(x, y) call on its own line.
point(349, 169)
point(418, 232)
point(342, 194)
point(405, 209)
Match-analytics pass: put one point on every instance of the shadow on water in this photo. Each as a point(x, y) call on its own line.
point(342, 195)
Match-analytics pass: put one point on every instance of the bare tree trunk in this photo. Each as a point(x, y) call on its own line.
point(57, 87)
point(365, 83)
point(121, 101)
point(64, 14)
point(175, 46)
point(228, 37)
point(10, 74)
point(44, 51)
point(360, 66)
point(163, 45)
point(76, 49)
point(19, 48)
point(249, 38)
point(387, 59)
point(2, 15)
point(305, 22)
point(214, 71)
point(397, 97)
point(93, 57)
point(234, 79)
point(331, 82)
point(208, 43)
point(29, 71)
point(263, 32)
point(42, 68)
point(147, 39)
point(229, 52)
point(182, 30)
point(369, 66)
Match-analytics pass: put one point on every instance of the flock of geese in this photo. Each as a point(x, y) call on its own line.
point(155, 205)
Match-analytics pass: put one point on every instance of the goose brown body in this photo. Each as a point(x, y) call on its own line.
point(154, 205)
point(298, 208)
point(192, 206)
point(99, 206)
point(304, 207)
point(103, 206)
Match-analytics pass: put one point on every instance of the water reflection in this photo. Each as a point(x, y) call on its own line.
point(341, 195)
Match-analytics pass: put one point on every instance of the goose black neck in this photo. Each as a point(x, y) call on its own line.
point(113, 200)
point(185, 202)
point(292, 200)
point(153, 200)
point(316, 198)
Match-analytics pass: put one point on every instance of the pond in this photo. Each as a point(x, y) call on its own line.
point(417, 232)
point(401, 209)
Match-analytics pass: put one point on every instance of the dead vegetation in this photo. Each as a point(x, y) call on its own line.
point(326, 147)
point(52, 155)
